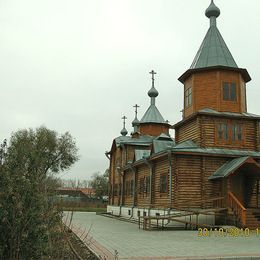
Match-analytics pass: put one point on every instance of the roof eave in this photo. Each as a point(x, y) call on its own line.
point(156, 123)
point(244, 73)
point(192, 116)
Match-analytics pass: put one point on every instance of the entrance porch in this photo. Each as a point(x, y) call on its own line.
point(240, 179)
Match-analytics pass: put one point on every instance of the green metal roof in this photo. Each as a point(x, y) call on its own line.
point(212, 111)
point(144, 140)
point(213, 52)
point(164, 136)
point(228, 168)
point(218, 151)
point(152, 115)
point(162, 145)
point(190, 147)
point(186, 145)
point(141, 154)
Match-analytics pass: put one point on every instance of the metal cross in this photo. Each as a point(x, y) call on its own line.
point(136, 107)
point(124, 118)
point(153, 73)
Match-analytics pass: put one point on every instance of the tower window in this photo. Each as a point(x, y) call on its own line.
point(188, 97)
point(229, 132)
point(236, 132)
point(229, 91)
point(223, 131)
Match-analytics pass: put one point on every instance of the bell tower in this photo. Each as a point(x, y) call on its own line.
point(214, 81)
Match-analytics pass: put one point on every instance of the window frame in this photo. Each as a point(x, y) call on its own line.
point(141, 185)
point(147, 185)
point(188, 98)
point(230, 140)
point(162, 189)
point(239, 129)
point(228, 93)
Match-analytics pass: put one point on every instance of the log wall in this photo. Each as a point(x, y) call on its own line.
point(207, 91)
point(128, 198)
point(143, 198)
point(161, 167)
point(209, 134)
point(188, 131)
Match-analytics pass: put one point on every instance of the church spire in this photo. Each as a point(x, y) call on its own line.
point(153, 93)
point(213, 73)
point(136, 122)
point(152, 122)
point(213, 50)
point(152, 115)
point(124, 131)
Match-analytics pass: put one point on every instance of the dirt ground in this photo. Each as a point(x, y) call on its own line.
point(81, 249)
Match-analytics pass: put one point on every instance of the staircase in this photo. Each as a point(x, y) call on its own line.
point(253, 218)
point(245, 217)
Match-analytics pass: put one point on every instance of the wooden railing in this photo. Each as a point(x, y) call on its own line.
point(237, 207)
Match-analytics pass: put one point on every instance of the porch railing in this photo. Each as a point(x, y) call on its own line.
point(237, 207)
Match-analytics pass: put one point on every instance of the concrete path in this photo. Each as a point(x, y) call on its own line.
point(114, 239)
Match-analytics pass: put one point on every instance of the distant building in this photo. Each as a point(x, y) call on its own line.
point(77, 192)
point(214, 159)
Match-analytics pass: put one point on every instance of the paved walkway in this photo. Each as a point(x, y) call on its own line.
point(110, 237)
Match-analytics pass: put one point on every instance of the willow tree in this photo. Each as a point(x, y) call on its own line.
point(28, 218)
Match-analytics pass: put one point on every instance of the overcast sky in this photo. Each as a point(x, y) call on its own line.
point(79, 65)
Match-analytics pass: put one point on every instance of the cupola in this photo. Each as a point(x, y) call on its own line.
point(214, 80)
point(152, 122)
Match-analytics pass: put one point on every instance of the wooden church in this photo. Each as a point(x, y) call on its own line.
point(213, 162)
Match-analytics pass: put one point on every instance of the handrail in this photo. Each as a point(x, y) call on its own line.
point(236, 200)
point(237, 207)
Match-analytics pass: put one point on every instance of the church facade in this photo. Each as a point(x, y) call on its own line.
point(213, 162)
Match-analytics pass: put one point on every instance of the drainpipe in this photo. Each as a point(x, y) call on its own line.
point(133, 205)
point(121, 173)
point(150, 165)
point(170, 173)
point(123, 163)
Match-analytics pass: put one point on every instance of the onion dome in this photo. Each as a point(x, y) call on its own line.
point(153, 92)
point(136, 122)
point(212, 10)
point(152, 114)
point(124, 131)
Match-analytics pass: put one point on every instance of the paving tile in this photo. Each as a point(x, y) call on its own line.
point(132, 242)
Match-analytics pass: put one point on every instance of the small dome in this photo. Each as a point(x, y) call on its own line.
point(135, 122)
point(212, 10)
point(123, 132)
point(153, 92)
